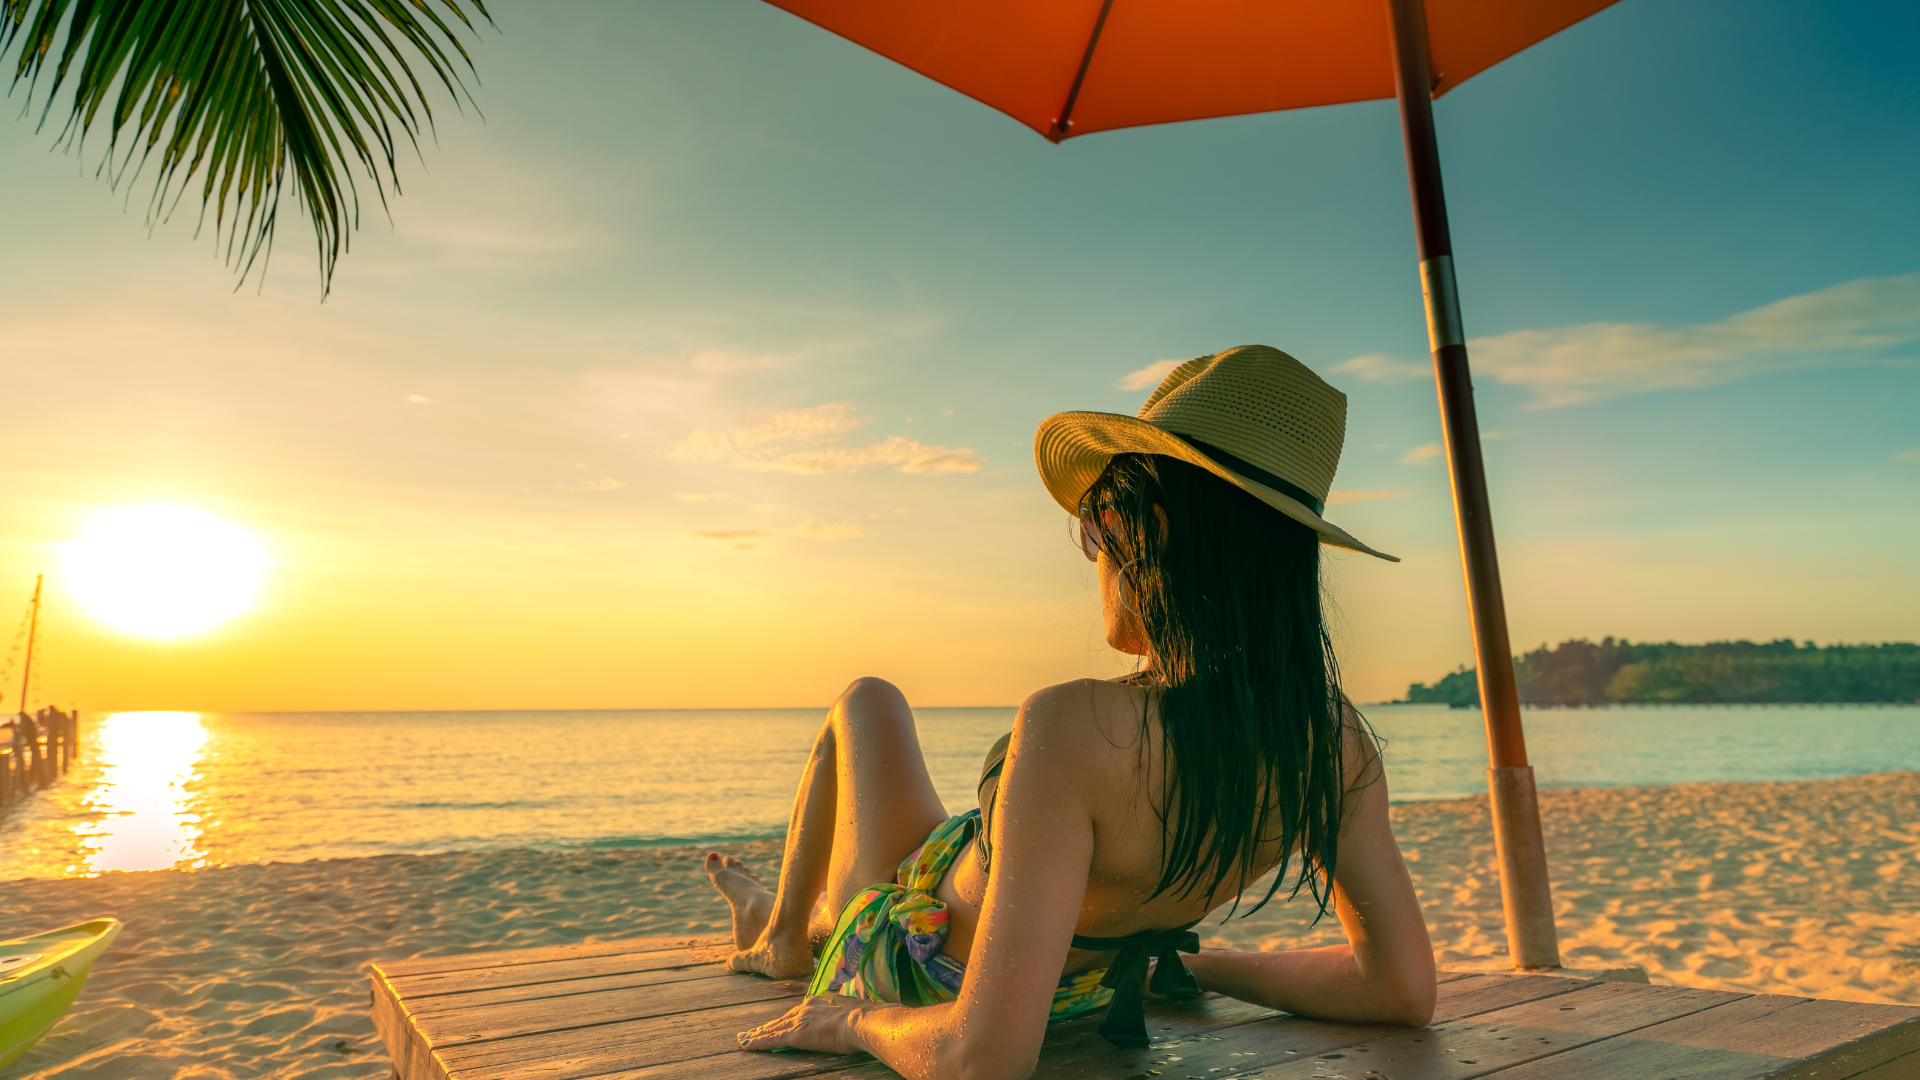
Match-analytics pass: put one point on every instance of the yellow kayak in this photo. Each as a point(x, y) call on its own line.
point(41, 975)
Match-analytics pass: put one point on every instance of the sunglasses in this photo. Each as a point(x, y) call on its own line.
point(1089, 528)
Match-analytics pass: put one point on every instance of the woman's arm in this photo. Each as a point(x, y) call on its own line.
point(1385, 972)
point(1042, 852)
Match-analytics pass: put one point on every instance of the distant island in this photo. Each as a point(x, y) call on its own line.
point(1722, 672)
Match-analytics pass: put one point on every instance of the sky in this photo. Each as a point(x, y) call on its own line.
point(698, 365)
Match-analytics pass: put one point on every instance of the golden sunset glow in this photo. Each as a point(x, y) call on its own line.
point(164, 571)
point(142, 821)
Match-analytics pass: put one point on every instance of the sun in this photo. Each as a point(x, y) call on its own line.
point(163, 571)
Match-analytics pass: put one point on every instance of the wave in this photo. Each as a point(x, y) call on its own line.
point(667, 841)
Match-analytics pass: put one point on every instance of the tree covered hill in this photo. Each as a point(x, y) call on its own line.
point(1622, 672)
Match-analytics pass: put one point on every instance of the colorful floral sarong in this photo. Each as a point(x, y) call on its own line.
point(886, 946)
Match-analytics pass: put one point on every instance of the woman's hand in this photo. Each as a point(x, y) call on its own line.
point(824, 1022)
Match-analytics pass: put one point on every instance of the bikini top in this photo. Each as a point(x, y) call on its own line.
point(1125, 1023)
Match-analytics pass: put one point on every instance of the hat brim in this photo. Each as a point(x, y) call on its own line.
point(1072, 449)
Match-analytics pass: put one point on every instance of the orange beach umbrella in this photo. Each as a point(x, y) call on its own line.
point(1074, 67)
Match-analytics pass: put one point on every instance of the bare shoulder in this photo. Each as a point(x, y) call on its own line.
point(1072, 718)
point(1079, 708)
point(1360, 756)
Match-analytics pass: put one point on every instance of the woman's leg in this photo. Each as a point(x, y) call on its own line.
point(865, 802)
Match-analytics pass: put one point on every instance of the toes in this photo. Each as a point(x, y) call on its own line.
point(744, 870)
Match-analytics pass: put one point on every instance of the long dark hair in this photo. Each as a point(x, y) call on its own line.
point(1247, 684)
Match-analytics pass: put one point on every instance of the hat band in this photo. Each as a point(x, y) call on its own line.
point(1254, 472)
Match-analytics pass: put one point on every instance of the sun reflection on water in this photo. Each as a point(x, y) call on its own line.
point(140, 817)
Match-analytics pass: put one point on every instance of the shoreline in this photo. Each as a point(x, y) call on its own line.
point(1624, 705)
point(1795, 887)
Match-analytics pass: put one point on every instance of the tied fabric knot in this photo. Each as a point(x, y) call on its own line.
point(915, 923)
point(922, 921)
point(1126, 1021)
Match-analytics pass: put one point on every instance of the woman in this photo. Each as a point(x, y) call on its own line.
point(1117, 814)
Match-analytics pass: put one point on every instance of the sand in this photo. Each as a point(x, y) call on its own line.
point(1806, 888)
point(257, 971)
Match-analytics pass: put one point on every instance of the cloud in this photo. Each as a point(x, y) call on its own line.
point(1379, 367)
point(704, 496)
point(1337, 498)
point(1149, 375)
point(605, 483)
point(910, 455)
point(1422, 455)
point(804, 441)
point(784, 428)
point(1842, 325)
point(725, 362)
point(810, 529)
point(805, 529)
point(1907, 455)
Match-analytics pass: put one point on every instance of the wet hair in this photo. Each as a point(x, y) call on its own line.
point(1247, 685)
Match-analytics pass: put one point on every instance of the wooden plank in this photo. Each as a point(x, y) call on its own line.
point(505, 958)
point(659, 1007)
point(1478, 994)
point(677, 1036)
point(646, 1046)
point(1494, 1041)
point(562, 997)
point(655, 1046)
point(1067, 1039)
point(520, 1018)
point(407, 1045)
point(1213, 1037)
point(1897, 1041)
point(643, 1046)
point(1905, 1067)
point(1250, 1046)
point(421, 1053)
point(415, 988)
point(396, 1015)
point(1761, 1036)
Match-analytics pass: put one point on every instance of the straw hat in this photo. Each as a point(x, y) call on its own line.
point(1253, 416)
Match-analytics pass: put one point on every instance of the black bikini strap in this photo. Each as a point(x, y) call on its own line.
point(1126, 1020)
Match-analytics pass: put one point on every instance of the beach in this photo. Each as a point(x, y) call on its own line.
point(1805, 887)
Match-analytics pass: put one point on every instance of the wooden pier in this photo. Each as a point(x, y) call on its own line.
point(36, 750)
point(665, 1008)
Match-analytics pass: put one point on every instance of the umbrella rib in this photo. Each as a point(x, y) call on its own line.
point(1086, 59)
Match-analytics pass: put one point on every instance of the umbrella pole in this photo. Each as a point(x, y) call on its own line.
point(1531, 939)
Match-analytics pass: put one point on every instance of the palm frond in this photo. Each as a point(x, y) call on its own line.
point(253, 96)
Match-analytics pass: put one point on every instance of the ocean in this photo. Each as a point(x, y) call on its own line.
point(160, 789)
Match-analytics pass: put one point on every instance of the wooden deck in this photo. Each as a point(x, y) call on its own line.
point(664, 1007)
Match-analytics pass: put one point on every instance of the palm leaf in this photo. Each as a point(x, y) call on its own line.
point(252, 96)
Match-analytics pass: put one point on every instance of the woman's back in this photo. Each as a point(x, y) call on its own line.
point(1100, 740)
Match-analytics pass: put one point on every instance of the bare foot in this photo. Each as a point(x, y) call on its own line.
point(752, 904)
point(763, 948)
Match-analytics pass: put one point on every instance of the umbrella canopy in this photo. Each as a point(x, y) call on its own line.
point(1074, 67)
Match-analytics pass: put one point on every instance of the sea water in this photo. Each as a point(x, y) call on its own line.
point(159, 789)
